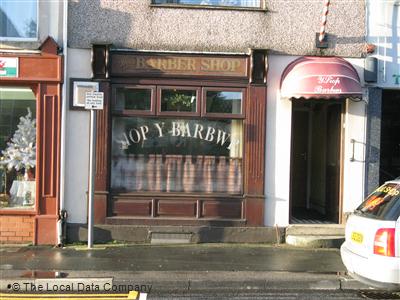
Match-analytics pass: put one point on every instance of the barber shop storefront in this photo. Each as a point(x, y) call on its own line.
point(181, 139)
point(30, 110)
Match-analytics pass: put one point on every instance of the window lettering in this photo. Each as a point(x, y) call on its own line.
point(160, 128)
point(175, 129)
point(210, 134)
point(222, 137)
point(131, 136)
point(198, 130)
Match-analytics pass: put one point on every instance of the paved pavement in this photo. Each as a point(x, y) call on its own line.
point(172, 268)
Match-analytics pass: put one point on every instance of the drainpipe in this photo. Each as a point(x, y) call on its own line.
point(62, 214)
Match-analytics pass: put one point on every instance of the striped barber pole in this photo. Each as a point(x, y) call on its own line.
point(324, 19)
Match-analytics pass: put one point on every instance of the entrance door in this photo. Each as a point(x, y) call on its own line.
point(315, 161)
point(299, 177)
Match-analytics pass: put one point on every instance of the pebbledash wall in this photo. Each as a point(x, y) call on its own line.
point(38, 75)
point(287, 29)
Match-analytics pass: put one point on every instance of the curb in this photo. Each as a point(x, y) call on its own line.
point(315, 241)
point(161, 282)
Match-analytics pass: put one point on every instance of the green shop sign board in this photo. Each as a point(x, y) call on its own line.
point(8, 66)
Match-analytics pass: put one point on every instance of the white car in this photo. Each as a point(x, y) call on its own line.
point(371, 251)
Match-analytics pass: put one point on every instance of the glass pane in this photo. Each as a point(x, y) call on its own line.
point(178, 100)
point(133, 98)
point(383, 203)
point(17, 148)
point(224, 102)
point(237, 3)
point(176, 155)
point(18, 19)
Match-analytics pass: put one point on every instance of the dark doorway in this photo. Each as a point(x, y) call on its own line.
point(390, 136)
point(315, 161)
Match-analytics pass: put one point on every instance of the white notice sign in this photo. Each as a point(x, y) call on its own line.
point(94, 100)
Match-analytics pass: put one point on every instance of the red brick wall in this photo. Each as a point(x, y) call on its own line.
point(16, 229)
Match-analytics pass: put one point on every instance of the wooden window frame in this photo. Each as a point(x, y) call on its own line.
point(134, 112)
point(177, 113)
point(206, 114)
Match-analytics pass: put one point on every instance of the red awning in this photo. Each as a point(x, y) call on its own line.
point(320, 77)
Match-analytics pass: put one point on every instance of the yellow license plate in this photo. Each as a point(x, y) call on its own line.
point(357, 237)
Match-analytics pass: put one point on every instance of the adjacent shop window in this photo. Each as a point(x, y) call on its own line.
point(231, 3)
point(180, 148)
point(136, 99)
point(178, 100)
point(223, 101)
point(17, 147)
point(19, 19)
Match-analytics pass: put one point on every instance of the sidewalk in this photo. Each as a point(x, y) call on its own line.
point(160, 268)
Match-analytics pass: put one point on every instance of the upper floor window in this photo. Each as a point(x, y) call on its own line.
point(18, 20)
point(230, 3)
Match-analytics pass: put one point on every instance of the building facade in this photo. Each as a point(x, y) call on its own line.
point(203, 125)
point(31, 76)
point(383, 27)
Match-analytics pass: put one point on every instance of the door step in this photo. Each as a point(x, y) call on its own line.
point(176, 234)
point(315, 236)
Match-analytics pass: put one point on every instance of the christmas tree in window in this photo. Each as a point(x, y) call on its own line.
point(20, 155)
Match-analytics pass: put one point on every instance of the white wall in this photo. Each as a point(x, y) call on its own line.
point(278, 137)
point(355, 128)
point(277, 156)
point(383, 30)
point(353, 174)
point(77, 143)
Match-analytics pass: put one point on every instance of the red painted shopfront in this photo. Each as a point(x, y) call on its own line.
point(32, 219)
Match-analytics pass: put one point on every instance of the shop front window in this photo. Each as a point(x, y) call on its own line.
point(177, 155)
point(134, 99)
point(179, 100)
point(224, 101)
point(18, 20)
point(17, 148)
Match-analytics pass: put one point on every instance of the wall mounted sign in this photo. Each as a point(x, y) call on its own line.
point(123, 64)
point(8, 66)
point(79, 88)
point(94, 100)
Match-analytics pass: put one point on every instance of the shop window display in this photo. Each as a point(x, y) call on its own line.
point(17, 148)
point(180, 152)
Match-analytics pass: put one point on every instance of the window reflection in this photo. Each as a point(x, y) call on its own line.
point(177, 155)
point(18, 19)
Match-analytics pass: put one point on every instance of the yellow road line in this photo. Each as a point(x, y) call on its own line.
point(71, 298)
point(132, 295)
point(62, 295)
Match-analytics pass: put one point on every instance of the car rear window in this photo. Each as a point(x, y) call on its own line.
point(383, 203)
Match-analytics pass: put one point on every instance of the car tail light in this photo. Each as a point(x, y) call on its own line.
point(384, 242)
